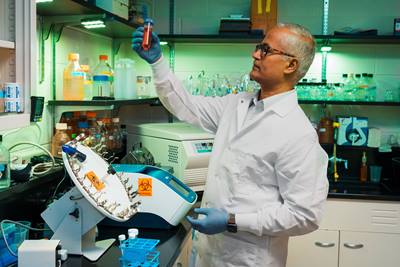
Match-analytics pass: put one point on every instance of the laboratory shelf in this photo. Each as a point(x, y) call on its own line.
point(16, 189)
point(210, 38)
point(361, 103)
point(72, 11)
point(321, 39)
point(358, 39)
point(156, 101)
point(7, 44)
point(150, 101)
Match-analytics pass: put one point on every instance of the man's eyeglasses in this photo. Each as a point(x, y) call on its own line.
point(267, 50)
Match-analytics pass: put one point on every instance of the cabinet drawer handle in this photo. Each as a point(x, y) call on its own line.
point(353, 246)
point(324, 244)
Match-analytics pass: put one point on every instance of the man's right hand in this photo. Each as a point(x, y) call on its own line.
point(151, 55)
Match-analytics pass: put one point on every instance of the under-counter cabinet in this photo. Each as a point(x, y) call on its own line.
point(186, 251)
point(353, 233)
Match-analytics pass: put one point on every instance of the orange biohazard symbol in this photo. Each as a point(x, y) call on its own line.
point(145, 187)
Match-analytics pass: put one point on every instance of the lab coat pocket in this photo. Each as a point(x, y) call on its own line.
point(238, 252)
point(250, 176)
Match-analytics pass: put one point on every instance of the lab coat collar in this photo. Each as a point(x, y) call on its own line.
point(280, 104)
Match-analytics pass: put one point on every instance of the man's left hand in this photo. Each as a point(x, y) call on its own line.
point(215, 222)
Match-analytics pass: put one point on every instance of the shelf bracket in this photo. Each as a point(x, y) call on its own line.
point(45, 31)
point(116, 45)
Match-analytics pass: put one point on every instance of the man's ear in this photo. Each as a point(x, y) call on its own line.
point(291, 66)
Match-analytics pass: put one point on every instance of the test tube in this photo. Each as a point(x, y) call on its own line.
point(148, 29)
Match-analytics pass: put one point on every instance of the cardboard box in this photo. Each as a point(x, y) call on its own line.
point(263, 14)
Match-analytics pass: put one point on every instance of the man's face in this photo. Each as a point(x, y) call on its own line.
point(271, 58)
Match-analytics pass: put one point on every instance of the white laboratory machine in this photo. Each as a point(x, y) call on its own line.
point(182, 146)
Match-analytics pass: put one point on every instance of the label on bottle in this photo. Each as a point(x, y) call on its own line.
point(3, 168)
point(77, 74)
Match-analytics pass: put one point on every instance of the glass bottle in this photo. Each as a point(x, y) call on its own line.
point(60, 138)
point(73, 79)
point(371, 95)
point(5, 180)
point(117, 136)
point(103, 76)
point(363, 168)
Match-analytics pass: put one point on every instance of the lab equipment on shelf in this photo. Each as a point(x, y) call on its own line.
point(358, 87)
point(103, 77)
point(59, 139)
point(364, 168)
point(124, 79)
point(73, 79)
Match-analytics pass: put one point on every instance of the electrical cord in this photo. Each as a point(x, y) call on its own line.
point(45, 165)
point(20, 224)
point(58, 185)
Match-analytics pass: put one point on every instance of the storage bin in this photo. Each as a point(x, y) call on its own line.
point(15, 235)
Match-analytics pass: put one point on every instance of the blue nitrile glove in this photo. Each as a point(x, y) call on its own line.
point(216, 221)
point(151, 55)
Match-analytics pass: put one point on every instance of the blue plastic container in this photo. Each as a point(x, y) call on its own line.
point(15, 235)
point(139, 252)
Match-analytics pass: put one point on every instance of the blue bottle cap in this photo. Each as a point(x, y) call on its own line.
point(101, 78)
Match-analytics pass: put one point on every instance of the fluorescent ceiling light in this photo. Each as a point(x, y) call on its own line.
point(93, 23)
point(163, 43)
point(94, 26)
point(326, 48)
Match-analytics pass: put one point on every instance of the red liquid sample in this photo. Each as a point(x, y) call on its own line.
point(146, 44)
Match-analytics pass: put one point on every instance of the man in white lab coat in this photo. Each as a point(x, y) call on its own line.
point(267, 173)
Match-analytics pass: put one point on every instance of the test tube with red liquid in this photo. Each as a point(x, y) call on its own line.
point(148, 29)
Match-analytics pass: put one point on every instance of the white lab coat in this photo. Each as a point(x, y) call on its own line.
point(271, 173)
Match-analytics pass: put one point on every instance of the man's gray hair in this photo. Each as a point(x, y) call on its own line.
point(303, 48)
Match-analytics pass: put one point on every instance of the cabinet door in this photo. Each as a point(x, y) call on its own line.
point(369, 249)
point(186, 251)
point(319, 248)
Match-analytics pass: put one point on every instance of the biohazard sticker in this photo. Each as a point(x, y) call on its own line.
point(145, 187)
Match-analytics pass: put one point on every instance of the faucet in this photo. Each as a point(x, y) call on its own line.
point(334, 160)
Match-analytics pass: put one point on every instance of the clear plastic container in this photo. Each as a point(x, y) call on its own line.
point(124, 79)
point(103, 77)
point(73, 79)
point(101, 86)
point(87, 83)
point(60, 138)
point(4, 165)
